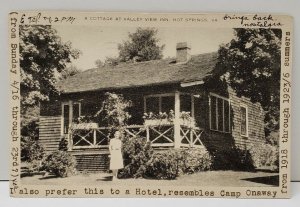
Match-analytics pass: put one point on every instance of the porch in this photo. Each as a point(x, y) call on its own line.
point(170, 120)
point(159, 136)
point(89, 143)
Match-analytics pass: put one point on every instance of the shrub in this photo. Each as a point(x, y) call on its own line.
point(136, 153)
point(232, 159)
point(31, 150)
point(60, 163)
point(265, 155)
point(170, 164)
point(196, 160)
point(164, 165)
point(29, 122)
point(34, 166)
point(258, 155)
point(141, 161)
point(63, 144)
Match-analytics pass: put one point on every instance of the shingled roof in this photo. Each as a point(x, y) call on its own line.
point(127, 75)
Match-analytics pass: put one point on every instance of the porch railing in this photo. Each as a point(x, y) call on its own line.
point(88, 138)
point(191, 137)
point(157, 135)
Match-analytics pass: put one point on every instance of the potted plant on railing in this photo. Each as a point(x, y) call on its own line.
point(151, 119)
point(84, 122)
point(186, 119)
point(162, 118)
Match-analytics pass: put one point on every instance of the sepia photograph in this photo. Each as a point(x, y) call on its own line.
point(151, 106)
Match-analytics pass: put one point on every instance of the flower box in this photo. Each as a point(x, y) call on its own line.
point(160, 122)
point(188, 123)
point(156, 122)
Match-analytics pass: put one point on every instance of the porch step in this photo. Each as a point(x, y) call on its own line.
point(92, 162)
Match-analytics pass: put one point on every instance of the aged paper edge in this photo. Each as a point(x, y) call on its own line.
point(16, 18)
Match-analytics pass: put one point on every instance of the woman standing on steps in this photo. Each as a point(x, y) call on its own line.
point(116, 159)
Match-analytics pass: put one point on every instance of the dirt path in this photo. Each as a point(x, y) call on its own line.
point(210, 178)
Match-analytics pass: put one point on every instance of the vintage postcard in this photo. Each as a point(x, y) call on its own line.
point(150, 104)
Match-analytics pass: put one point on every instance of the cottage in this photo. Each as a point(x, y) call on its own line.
point(205, 112)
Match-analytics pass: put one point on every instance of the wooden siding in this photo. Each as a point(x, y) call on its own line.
point(216, 140)
point(256, 115)
point(50, 132)
point(92, 162)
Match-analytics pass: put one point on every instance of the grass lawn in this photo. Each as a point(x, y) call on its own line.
point(209, 178)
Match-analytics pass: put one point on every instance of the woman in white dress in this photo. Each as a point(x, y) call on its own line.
point(116, 158)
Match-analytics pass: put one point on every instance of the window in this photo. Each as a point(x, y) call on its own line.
point(213, 114)
point(167, 103)
point(227, 116)
point(219, 113)
point(244, 120)
point(67, 115)
point(185, 102)
point(159, 103)
point(152, 104)
point(76, 111)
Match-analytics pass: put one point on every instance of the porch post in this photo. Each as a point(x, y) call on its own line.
point(62, 121)
point(177, 139)
point(70, 113)
point(193, 106)
point(70, 123)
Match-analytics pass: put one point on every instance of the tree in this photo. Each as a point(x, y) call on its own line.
point(43, 60)
point(250, 63)
point(42, 56)
point(109, 61)
point(141, 46)
point(113, 61)
point(68, 72)
point(114, 111)
point(99, 63)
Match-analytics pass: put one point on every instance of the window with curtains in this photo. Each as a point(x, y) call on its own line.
point(219, 109)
